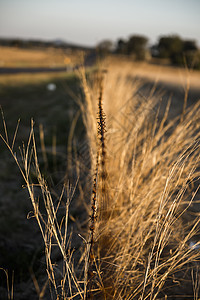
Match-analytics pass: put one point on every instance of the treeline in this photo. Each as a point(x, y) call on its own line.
point(180, 52)
point(26, 43)
point(173, 48)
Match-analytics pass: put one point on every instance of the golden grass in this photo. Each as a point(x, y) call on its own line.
point(50, 57)
point(10, 80)
point(142, 232)
point(175, 76)
point(152, 162)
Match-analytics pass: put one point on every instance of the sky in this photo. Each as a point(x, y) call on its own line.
point(88, 22)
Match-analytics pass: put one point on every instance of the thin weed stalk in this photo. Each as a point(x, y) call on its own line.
point(98, 202)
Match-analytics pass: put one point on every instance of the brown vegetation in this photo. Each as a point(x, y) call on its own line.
point(143, 181)
point(50, 57)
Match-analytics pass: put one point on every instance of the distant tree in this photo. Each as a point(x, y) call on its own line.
point(137, 45)
point(15, 43)
point(170, 46)
point(104, 47)
point(178, 51)
point(191, 55)
point(121, 47)
point(190, 45)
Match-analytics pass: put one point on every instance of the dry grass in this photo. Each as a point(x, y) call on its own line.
point(143, 227)
point(50, 57)
point(10, 80)
point(175, 76)
point(153, 174)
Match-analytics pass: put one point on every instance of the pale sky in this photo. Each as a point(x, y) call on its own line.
point(88, 22)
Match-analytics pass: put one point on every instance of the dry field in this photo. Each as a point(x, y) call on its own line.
point(50, 57)
point(168, 75)
point(107, 206)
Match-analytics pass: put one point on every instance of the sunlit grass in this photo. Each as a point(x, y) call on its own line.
point(38, 57)
point(141, 166)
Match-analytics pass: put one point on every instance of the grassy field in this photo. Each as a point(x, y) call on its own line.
point(50, 57)
point(126, 224)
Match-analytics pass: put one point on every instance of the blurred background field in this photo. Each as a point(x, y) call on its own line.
point(39, 57)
